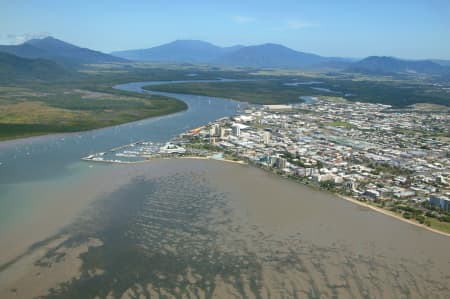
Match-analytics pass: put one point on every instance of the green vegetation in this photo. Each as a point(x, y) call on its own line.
point(39, 96)
point(19, 69)
point(75, 100)
point(398, 93)
point(395, 92)
point(44, 108)
point(204, 146)
point(388, 169)
point(62, 99)
point(82, 99)
point(342, 124)
point(327, 185)
point(254, 92)
point(439, 225)
point(431, 219)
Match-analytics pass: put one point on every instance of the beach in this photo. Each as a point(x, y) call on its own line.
point(392, 214)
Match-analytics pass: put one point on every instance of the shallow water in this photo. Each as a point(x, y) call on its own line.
point(207, 229)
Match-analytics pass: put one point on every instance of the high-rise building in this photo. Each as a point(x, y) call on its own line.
point(280, 163)
point(214, 131)
point(442, 202)
point(266, 137)
point(236, 131)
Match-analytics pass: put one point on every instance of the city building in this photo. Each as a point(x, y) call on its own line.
point(441, 201)
point(266, 137)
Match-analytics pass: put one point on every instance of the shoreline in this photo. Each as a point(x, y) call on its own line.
point(391, 214)
point(366, 205)
point(20, 140)
point(362, 204)
point(239, 162)
point(340, 196)
point(5, 142)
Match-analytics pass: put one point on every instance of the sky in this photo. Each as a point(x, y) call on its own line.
point(413, 29)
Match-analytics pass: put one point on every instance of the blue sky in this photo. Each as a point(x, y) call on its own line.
point(353, 28)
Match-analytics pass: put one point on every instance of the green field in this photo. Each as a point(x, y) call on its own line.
point(254, 92)
point(439, 225)
point(395, 92)
point(39, 109)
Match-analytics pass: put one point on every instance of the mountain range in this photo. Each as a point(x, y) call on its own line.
point(14, 68)
point(278, 56)
point(390, 65)
point(194, 51)
point(191, 51)
point(59, 51)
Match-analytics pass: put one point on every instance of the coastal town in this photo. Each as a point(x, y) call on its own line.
point(396, 160)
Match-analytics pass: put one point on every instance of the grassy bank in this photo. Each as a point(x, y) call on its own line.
point(81, 102)
point(43, 109)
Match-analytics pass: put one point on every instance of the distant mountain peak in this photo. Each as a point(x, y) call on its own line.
point(183, 50)
point(189, 41)
point(32, 40)
point(270, 55)
point(274, 45)
point(392, 65)
point(264, 55)
point(58, 50)
point(51, 42)
point(45, 38)
point(192, 44)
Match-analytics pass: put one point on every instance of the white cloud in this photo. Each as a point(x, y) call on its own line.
point(298, 24)
point(295, 25)
point(243, 19)
point(14, 39)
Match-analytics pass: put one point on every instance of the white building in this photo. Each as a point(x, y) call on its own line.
point(170, 148)
point(266, 137)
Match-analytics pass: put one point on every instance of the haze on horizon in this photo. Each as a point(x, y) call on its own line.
point(412, 29)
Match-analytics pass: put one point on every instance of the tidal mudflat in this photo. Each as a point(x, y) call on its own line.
point(208, 229)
